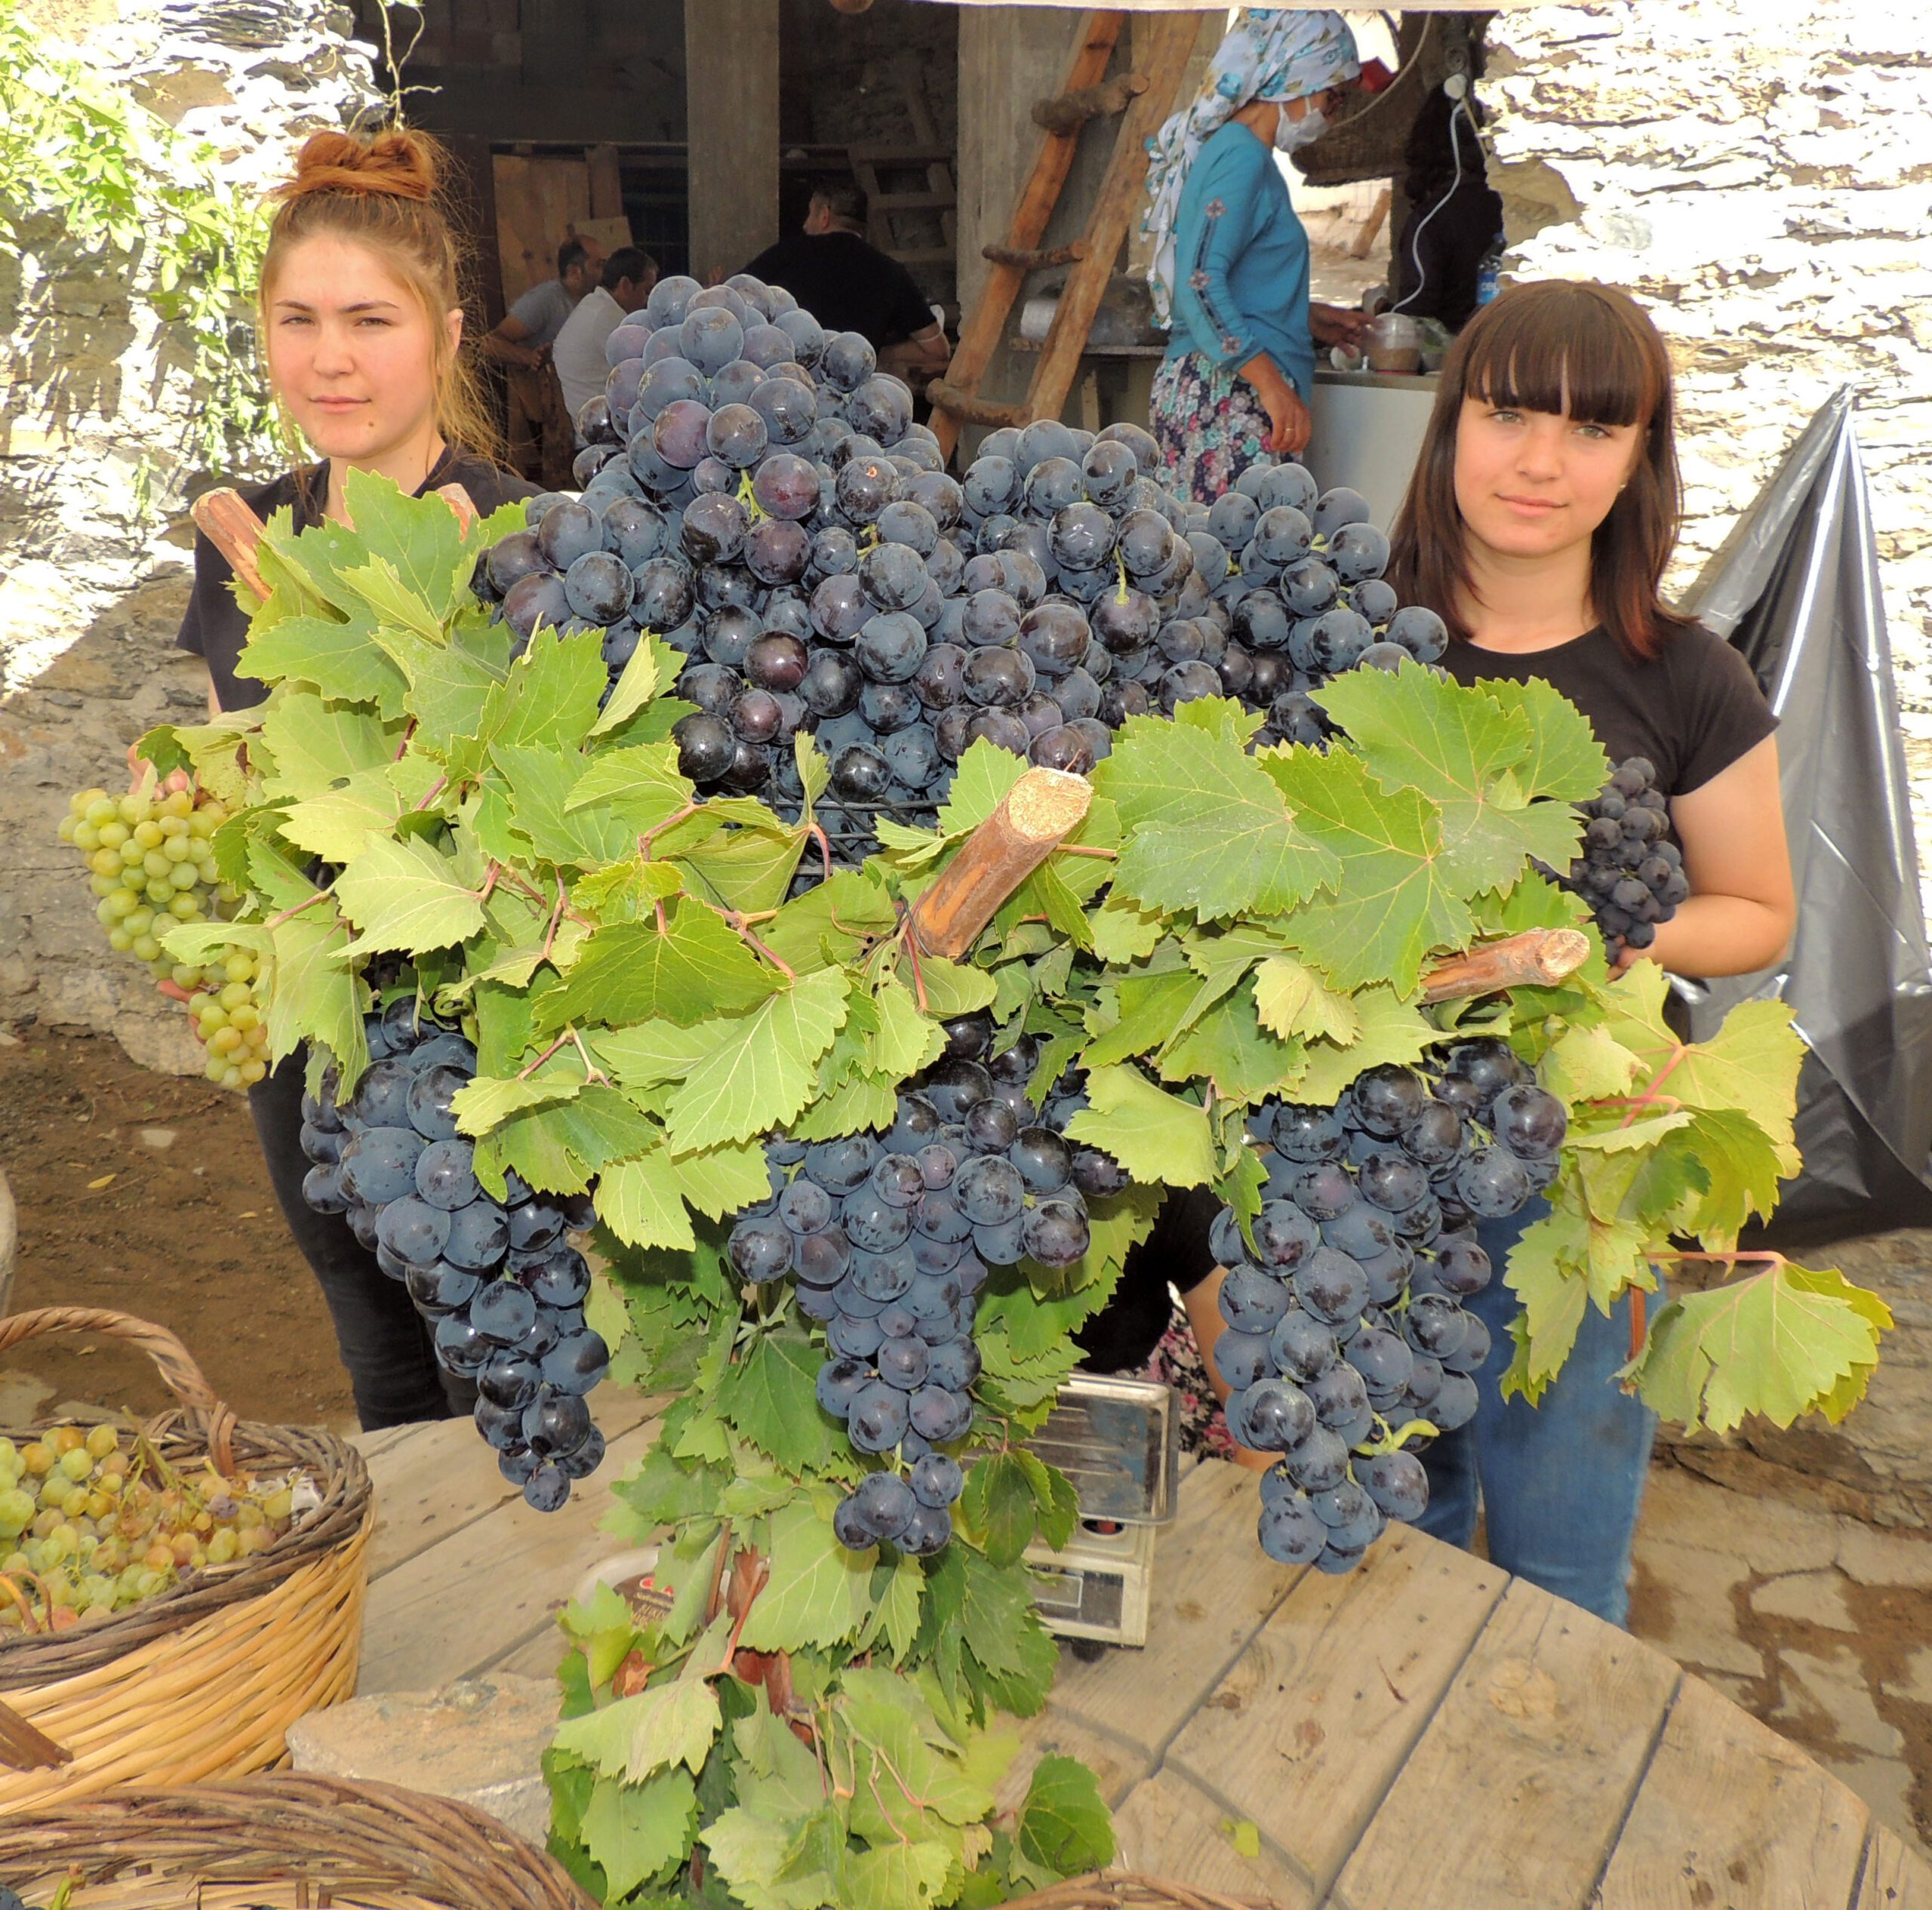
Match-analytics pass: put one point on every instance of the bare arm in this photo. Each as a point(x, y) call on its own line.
point(1204, 1315)
point(214, 701)
point(505, 344)
point(1742, 907)
point(925, 351)
point(1290, 423)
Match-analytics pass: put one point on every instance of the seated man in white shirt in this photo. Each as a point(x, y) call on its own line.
point(578, 354)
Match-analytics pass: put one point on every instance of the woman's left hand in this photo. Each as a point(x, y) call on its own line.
point(1336, 324)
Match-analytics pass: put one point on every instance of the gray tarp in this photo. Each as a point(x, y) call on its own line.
point(1795, 588)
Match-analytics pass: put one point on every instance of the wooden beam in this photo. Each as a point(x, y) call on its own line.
point(1068, 112)
point(950, 401)
point(731, 113)
point(1058, 255)
point(1537, 958)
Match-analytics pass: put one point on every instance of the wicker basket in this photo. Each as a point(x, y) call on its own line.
point(279, 1842)
point(202, 1680)
point(1118, 1889)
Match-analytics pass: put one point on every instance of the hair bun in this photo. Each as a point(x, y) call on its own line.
point(396, 164)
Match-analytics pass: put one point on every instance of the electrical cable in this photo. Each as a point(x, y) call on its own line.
point(1457, 87)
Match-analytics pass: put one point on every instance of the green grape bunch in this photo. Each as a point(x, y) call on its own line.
point(92, 1522)
point(150, 858)
point(229, 1020)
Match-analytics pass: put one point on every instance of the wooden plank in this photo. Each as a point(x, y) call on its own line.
point(1305, 1735)
point(981, 330)
point(731, 115)
point(457, 1608)
point(443, 1478)
point(539, 202)
point(1731, 1817)
point(606, 183)
point(1113, 211)
point(1522, 1781)
point(1168, 1828)
point(1213, 1589)
point(1897, 1878)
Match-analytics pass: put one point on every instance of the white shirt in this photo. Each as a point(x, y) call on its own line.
point(578, 354)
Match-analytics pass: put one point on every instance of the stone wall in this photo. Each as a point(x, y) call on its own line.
point(93, 543)
point(1756, 172)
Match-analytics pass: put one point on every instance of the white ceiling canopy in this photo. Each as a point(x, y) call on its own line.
point(1270, 6)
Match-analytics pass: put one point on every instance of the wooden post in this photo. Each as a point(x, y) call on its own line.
point(731, 111)
point(1044, 807)
point(1538, 958)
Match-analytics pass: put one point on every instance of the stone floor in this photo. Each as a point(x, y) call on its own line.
point(1818, 1623)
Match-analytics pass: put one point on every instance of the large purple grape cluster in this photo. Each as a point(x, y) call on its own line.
point(889, 1237)
point(1342, 1300)
point(498, 1282)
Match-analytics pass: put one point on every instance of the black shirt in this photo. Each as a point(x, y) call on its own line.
point(214, 627)
point(1438, 256)
point(1693, 709)
point(1122, 1336)
point(847, 285)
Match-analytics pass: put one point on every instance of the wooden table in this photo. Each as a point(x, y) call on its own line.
point(1423, 1732)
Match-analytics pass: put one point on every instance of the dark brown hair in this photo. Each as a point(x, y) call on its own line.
point(1587, 351)
point(384, 191)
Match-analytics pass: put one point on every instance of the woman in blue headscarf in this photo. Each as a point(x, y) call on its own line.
point(1230, 271)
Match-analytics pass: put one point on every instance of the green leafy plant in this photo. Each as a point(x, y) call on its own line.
point(79, 157)
point(793, 1724)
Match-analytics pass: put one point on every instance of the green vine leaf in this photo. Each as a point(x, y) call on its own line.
point(634, 1832)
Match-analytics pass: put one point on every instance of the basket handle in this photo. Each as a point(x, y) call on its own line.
point(172, 1360)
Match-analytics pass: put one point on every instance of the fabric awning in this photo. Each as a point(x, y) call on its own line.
point(1272, 6)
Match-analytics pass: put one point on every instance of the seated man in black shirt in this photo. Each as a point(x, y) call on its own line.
point(848, 285)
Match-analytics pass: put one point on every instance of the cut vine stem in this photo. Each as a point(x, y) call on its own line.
point(1033, 817)
point(1538, 957)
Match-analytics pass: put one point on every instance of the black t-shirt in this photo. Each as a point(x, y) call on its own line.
point(1448, 236)
point(214, 627)
point(1123, 1334)
point(847, 285)
point(1694, 709)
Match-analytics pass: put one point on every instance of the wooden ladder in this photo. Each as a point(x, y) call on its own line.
point(1142, 100)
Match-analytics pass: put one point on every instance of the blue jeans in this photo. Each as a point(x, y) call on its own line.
point(1559, 1483)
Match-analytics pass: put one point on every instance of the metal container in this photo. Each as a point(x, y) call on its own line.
point(1118, 1441)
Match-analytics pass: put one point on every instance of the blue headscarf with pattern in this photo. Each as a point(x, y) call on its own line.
point(1267, 55)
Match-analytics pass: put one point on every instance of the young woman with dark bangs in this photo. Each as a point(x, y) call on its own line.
point(1543, 511)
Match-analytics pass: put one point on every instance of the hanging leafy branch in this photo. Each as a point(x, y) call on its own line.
point(81, 160)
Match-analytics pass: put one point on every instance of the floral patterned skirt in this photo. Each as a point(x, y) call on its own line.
point(1176, 1361)
point(1210, 425)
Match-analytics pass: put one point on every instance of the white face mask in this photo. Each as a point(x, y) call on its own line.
point(1291, 135)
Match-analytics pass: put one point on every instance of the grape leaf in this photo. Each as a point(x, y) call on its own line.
point(561, 1147)
point(339, 658)
point(1563, 758)
point(1388, 1029)
point(1205, 827)
point(897, 1877)
point(549, 700)
point(723, 1179)
point(1123, 932)
point(538, 784)
point(694, 968)
point(1063, 1821)
point(637, 1201)
point(1148, 1011)
point(997, 1507)
point(818, 1593)
point(858, 1104)
point(762, 1066)
point(485, 1102)
point(1158, 1137)
point(318, 996)
point(312, 745)
point(1750, 1064)
point(633, 1832)
point(409, 895)
point(1459, 747)
point(652, 665)
point(1395, 901)
point(770, 1396)
point(1586, 1064)
point(672, 1723)
point(1552, 1270)
point(1229, 1049)
point(985, 775)
point(756, 1856)
point(420, 540)
point(395, 604)
point(1291, 999)
point(1780, 1343)
point(449, 683)
point(905, 1040)
point(652, 1053)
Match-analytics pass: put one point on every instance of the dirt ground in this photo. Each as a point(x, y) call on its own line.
point(184, 1232)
